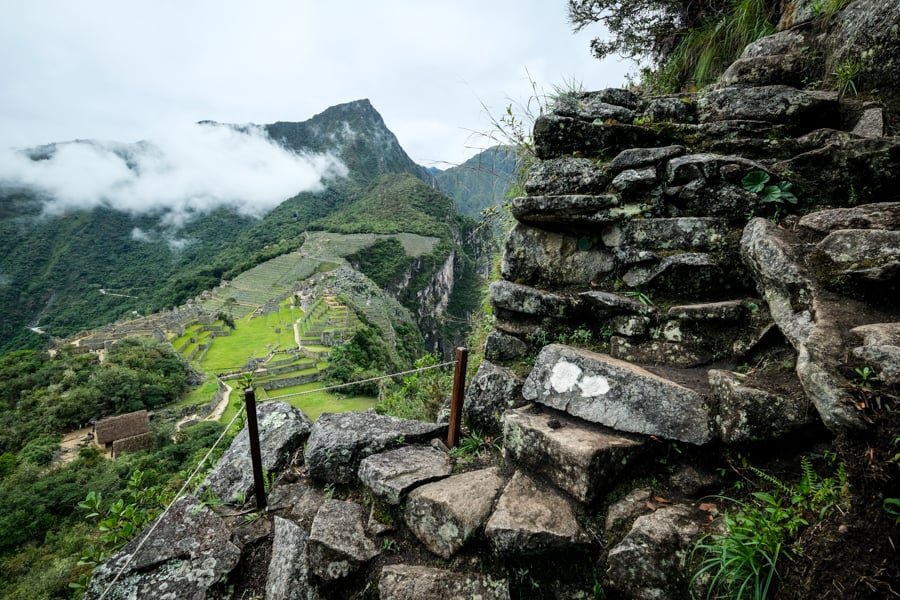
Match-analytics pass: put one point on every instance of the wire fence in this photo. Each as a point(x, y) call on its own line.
point(222, 436)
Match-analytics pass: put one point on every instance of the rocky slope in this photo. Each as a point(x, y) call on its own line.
point(666, 317)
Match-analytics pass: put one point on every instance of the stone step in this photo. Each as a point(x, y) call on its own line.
point(575, 209)
point(531, 518)
point(566, 176)
point(391, 475)
point(803, 110)
point(634, 158)
point(338, 544)
point(686, 275)
point(603, 390)
point(579, 458)
point(556, 135)
point(446, 514)
point(527, 300)
point(682, 233)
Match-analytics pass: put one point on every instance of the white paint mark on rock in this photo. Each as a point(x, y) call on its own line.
point(594, 385)
point(564, 376)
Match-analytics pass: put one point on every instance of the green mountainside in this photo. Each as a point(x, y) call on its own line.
point(481, 181)
point(82, 269)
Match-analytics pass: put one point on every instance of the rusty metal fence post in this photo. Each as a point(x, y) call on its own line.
point(259, 482)
point(456, 399)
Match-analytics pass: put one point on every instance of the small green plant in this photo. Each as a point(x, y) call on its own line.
point(757, 182)
point(741, 562)
point(329, 490)
point(865, 376)
point(389, 545)
point(471, 446)
point(845, 75)
point(825, 9)
point(640, 296)
point(892, 507)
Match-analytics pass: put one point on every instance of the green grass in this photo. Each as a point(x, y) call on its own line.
point(316, 403)
point(199, 395)
point(252, 337)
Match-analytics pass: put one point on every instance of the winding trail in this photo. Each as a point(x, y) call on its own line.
point(215, 415)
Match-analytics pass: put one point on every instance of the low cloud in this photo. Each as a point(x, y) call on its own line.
point(177, 175)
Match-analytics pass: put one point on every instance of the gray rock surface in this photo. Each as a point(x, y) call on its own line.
point(444, 515)
point(589, 106)
point(503, 347)
point(338, 545)
point(556, 135)
point(728, 310)
point(671, 109)
point(300, 501)
point(693, 274)
point(666, 234)
point(812, 321)
point(531, 518)
point(801, 109)
point(634, 158)
point(566, 176)
point(868, 32)
point(492, 391)
point(632, 182)
point(707, 167)
point(577, 457)
point(622, 513)
point(881, 215)
point(189, 552)
point(855, 248)
point(288, 577)
point(547, 259)
point(607, 304)
point(392, 474)
point(529, 300)
point(412, 582)
point(282, 430)
point(884, 359)
point(339, 441)
point(871, 123)
point(749, 414)
point(878, 334)
point(604, 390)
point(646, 565)
point(574, 209)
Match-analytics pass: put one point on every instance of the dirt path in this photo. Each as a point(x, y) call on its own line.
point(215, 415)
point(74, 441)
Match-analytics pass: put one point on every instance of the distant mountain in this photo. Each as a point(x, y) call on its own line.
point(83, 268)
point(481, 181)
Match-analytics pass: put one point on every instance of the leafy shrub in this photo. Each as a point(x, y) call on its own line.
point(778, 193)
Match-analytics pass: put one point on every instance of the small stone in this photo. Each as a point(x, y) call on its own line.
point(288, 577)
point(622, 513)
point(493, 390)
point(635, 181)
point(338, 545)
point(503, 347)
point(871, 123)
point(634, 158)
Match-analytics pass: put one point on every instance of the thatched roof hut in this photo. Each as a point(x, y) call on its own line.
point(123, 426)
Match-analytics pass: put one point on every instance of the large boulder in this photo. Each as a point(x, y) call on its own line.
point(412, 582)
point(339, 441)
point(189, 552)
point(607, 391)
point(446, 514)
point(492, 391)
point(282, 430)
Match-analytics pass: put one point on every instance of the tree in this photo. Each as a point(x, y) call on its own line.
point(642, 29)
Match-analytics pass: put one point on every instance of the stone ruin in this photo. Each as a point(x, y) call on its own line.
point(649, 300)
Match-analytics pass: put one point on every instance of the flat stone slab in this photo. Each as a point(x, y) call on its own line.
point(666, 234)
point(566, 176)
point(574, 209)
point(861, 247)
point(282, 430)
point(882, 215)
point(391, 475)
point(548, 259)
point(531, 518)
point(878, 334)
point(445, 514)
point(607, 304)
point(617, 394)
point(288, 577)
point(412, 582)
point(189, 552)
point(338, 544)
point(340, 441)
point(771, 103)
point(528, 300)
point(634, 158)
point(728, 310)
point(577, 457)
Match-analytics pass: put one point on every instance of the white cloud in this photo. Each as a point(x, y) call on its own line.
point(182, 172)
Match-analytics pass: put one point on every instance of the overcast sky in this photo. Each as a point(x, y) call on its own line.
point(127, 69)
